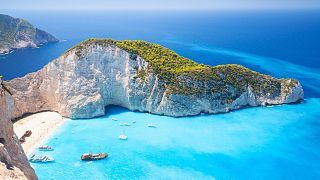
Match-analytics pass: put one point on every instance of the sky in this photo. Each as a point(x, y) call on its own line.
point(156, 4)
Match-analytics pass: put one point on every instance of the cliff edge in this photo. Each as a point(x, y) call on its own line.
point(13, 162)
point(145, 77)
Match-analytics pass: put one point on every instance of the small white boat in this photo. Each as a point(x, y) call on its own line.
point(45, 148)
point(114, 119)
point(123, 137)
point(40, 159)
point(152, 126)
point(269, 106)
point(125, 124)
point(133, 121)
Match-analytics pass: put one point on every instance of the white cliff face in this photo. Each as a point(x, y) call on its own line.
point(80, 84)
point(13, 161)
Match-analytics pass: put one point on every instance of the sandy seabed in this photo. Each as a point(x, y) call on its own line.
point(42, 125)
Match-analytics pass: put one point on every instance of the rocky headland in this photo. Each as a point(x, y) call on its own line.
point(144, 77)
point(137, 75)
point(13, 161)
point(17, 33)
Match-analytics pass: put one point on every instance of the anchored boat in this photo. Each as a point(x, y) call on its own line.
point(123, 137)
point(40, 159)
point(152, 126)
point(93, 157)
point(45, 148)
point(125, 124)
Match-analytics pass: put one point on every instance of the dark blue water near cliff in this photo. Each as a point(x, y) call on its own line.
point(281, 43)
point(281, 142)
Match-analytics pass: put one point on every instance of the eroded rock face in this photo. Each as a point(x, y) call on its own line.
point(82, 84)
point(13, 162)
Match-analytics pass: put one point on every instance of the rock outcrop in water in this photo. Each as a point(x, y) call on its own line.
point(13, 161)
point(17, 33)
point(143, 77)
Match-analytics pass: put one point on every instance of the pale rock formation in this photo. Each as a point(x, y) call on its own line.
point(81, 84)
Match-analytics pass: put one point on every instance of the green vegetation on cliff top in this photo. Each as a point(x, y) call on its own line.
point(10, 27)
point(19, 33)
point(177, 71)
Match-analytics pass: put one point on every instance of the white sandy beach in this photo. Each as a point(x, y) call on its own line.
point(42, 125)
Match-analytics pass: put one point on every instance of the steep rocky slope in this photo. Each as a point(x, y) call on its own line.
point(18, 33)
point(146, 77)
point(13, 161)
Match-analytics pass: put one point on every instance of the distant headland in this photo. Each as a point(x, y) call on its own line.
point(16, 33)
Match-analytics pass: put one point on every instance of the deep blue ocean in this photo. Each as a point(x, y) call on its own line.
point(281, 142)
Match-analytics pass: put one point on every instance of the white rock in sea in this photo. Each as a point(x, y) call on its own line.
point(80, 84)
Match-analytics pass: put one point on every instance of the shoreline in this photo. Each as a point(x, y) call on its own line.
point(42, 125)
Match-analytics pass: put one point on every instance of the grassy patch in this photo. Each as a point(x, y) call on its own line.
point(142, 73)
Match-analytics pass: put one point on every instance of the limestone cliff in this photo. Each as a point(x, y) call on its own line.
point(13, 161)
point(17, 33)
point(144, 77)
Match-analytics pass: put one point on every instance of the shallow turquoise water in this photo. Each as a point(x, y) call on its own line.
point(281, 142)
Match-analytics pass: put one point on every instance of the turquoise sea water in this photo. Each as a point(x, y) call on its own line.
point(280, 142)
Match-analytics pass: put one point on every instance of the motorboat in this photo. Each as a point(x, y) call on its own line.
point(45, 148)
point(133, 121)
point(93, 157)
point(114, 119)
point(123, 137)
point(152, 126)
point(125, 124)
point(40, 159)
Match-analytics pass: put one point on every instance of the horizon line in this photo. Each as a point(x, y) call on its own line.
point(158, 8)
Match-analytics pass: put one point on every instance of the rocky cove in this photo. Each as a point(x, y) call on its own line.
point(101, 72)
